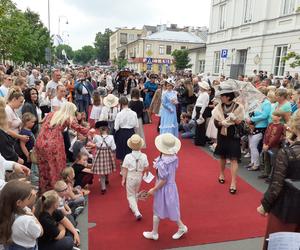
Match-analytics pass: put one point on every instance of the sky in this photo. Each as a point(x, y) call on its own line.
point(87, 17)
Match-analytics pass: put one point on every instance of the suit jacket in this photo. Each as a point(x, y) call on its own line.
point(78, 89)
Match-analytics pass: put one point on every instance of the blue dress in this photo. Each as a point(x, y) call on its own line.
point(168, 116)
point(151, 87)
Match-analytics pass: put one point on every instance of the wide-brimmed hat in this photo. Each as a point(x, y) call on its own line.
point(110, 101)
point(167, 144)
point(229, 86)
point(100, 124)
point(170, 81)
point(204, 85)
point(135, 142)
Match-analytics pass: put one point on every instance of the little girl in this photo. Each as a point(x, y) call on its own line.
point(59, 232)
point(96, 109)
point(104, 162)
point(82, 170)
point(28, 121)
point(134, 165)
point(19, 228)
point(166, 200)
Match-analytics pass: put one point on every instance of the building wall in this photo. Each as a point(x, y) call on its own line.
point(268, 28)
point(196, 56)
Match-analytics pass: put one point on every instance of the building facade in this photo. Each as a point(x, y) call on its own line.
point(121, 37)
point(154, 52)
point(249, 34)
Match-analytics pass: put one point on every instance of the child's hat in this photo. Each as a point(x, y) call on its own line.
point(100, 124)
point(111, 101)
point(135, 142)
point(167, 144)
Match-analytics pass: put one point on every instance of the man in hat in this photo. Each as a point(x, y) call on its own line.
point(134, 165)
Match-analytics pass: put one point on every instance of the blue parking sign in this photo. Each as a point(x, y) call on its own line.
point(224, 53)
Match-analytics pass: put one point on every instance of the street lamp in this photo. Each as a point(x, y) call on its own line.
point(59, 18)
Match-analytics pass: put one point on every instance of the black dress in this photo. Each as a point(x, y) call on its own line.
point(137, 106)
point(228, 147)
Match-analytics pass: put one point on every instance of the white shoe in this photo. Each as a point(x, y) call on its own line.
point(180, 232)
point(247, 155)
point(150, 235)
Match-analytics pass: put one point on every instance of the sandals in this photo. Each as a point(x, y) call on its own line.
point(232, 190)
point(221, 180)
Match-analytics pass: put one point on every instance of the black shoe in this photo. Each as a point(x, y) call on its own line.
point(103, 191)
point(232, 190)
point(139, 217)
point(222, 181)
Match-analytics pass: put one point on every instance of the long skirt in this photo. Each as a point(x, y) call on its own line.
point(140, 131)
point(104, 162)
point(200, 133)
point(121, 137)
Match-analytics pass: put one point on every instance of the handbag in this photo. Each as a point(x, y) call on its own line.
point(145, 117)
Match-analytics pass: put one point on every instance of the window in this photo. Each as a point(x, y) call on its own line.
point(247, 11)
point(161, 49)
point(148, 47)
point(123, 38)
point(131, 37)
point(242, 56)
point(279, 65)
point(201, 66)
point(216, 65)
point(169, 50)
point(288, 7)
point(222, 16)
point(183, 47)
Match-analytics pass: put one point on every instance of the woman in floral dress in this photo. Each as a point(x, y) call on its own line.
point(50, 147)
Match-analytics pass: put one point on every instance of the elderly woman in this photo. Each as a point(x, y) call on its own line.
point(281, 200)
point(49, 146)
point(228, 115)
point(282, 105)
point(200, 113)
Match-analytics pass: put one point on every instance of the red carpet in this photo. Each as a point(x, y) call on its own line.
point(207, 208)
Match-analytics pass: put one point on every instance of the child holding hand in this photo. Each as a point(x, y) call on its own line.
point(134, 165)
point(166, 199)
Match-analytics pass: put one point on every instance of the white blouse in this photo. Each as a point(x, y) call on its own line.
point(135, 161)
point(126, 119)
point(108, 114)
point(202, 101)
point(13, 119)
point(109, 140)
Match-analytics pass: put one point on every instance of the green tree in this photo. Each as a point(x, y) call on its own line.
point(182, 59)
point(294, 57)
point(85, 54)
point(121, 63)
point(102, 45)
point(68, 49)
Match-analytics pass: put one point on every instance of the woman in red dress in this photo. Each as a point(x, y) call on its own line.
point(50, 147)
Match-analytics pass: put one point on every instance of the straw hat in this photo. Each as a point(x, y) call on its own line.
point(167, 144)
point(135, 142)
point(229, 86)
point(110, 101)
point(204, 85)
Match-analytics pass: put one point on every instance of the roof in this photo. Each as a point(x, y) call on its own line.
point(197, 48)
point(176, 36)
point(150, 28)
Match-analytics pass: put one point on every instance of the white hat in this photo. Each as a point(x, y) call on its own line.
point(171, 81)
point(229, 86)
point(110, 101)
point(204, 85)
point(167, 144)
point(135, 142)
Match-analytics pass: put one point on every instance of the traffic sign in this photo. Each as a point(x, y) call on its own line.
point(149, 60)
point(224, 53)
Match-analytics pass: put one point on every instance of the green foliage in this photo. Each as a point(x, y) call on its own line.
point(23, 37)
point(102, 45)
point(85, 54)
point(296, 59)
point(121, 63)
point(69, 51)
point(182, 59)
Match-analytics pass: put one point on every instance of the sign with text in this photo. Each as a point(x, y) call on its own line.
point(224, 53)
